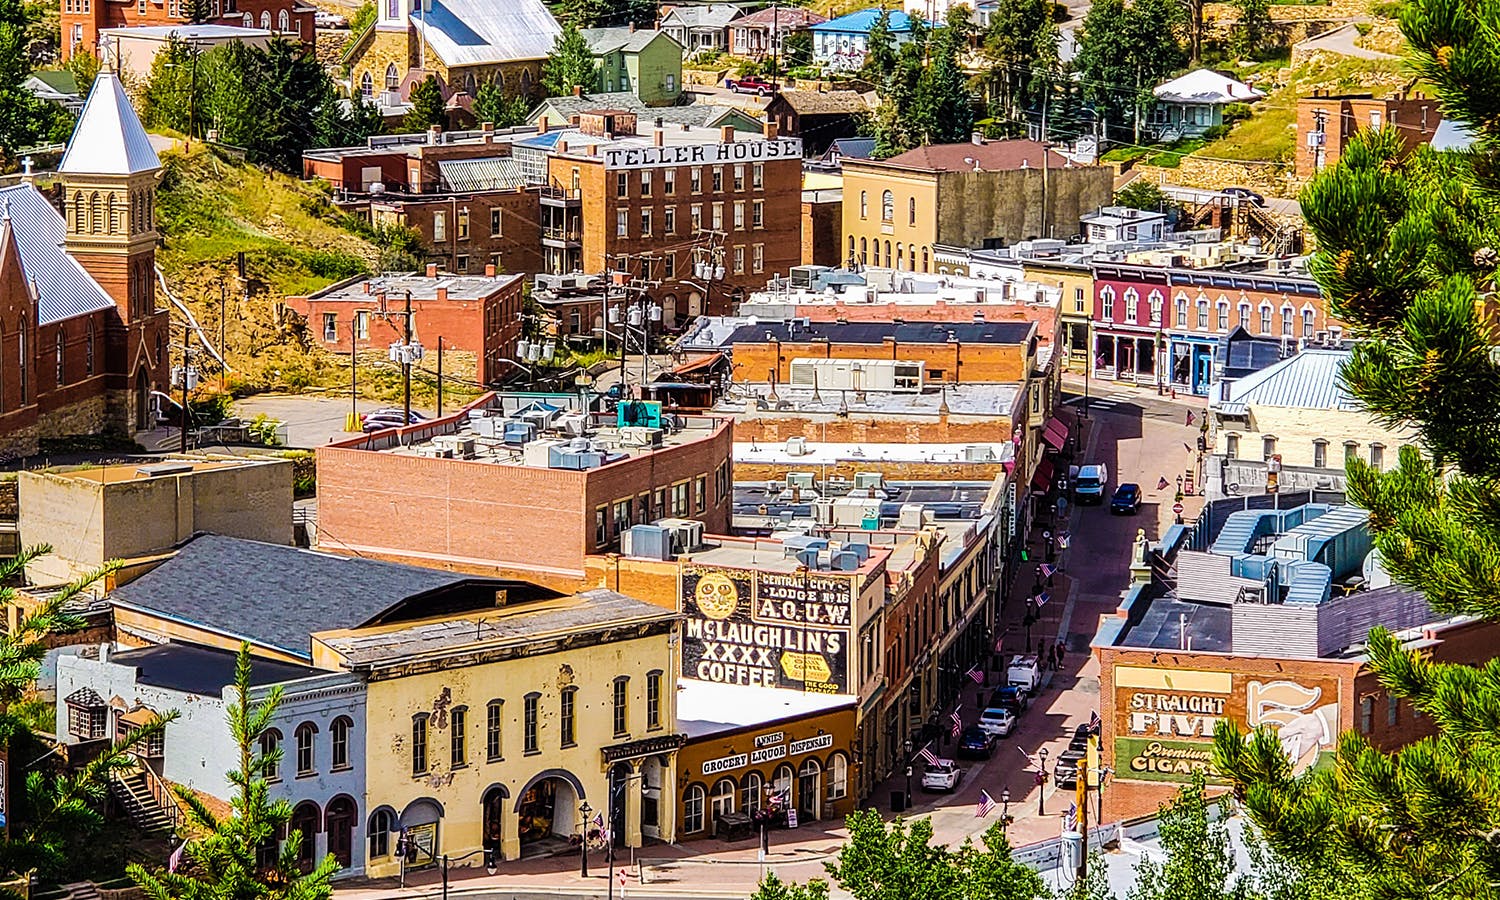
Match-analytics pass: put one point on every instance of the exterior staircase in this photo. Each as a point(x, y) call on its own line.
point(150, 806)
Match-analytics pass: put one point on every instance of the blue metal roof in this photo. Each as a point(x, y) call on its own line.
point(63, 287)
point(861, 21)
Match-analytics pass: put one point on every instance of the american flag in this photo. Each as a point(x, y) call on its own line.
point(1095, 722)
point(1063, 539)
point(175, 859)
point(1070, 818)
point(975, 675)
point(986, 805)
point(958, 723)
point(1190, 417)
point(1162, 483)
point(1042, 598)
point(1047, 570)
point(927, 756)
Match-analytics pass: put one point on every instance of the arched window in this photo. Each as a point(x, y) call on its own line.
point(1308, 320)
point(419, 744)
point(838, 776)
point(249, 20)
point(864, 256)
point(781, 784)
point(265, 20)
point(1132, 306)
point(96, 213)
point(270, 745)
point(88, 351)
point(864, 204)
point(305, 821)
point(366, 86)
point(1202, 315)
point(1320, 454)
point(887, 254)
point(526, 82)
point(283, 21)
point(692, 809)
point(80, 217)
point(469, 86)
point(382, 822)
point(500, 81)
point(306, 746)
point(911, 257)
point(721, 800)
point(911, 210)
point(338, 736)
point(24, 359)
point(1223, 315)
point(751, 791)
point(61, 374)
point(852, 257)
point(1155, 300)
point(1181, 311)
point(109, 221)
point(392, 77)
point(1286, 320)
point(924, 259)
point(887, 206)
point(900, 255)
point(1244, 315)
point(1265, 318)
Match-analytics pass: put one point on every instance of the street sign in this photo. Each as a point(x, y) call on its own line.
point(791, 817)
point(1177, 508)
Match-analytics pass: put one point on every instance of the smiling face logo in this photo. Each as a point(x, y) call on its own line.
point(716, 595)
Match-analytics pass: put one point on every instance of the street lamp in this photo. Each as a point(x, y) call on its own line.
point(1004, 810)
point(1041, 782)
point(907, 804)
point(583, 831)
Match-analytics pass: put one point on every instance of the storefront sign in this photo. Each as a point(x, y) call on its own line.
point(767, 754)
point(725, 764)
point(808, 745)
point(766, 740)
point(795, 645)
point(1149, 760)
point(747, 150)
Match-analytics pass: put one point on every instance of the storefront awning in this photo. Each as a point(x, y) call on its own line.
point(1055, 433)
point(1041, 479)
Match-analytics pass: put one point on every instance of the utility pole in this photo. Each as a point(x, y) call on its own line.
point(406, 360)
point(193, 95)
point(223, 351)
point(353, 378)
point(440, 378)
point(187, 385)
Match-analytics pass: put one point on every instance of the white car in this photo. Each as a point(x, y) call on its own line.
point(942, 775)
point(997, 721)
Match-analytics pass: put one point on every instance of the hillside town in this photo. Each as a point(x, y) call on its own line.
point(511, 448)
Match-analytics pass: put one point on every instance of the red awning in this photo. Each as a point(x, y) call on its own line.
point(1041, 479)
point(1055, 433)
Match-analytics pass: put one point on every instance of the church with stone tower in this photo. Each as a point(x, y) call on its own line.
point(83, 346)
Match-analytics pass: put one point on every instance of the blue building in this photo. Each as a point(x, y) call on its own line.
point(841, 44)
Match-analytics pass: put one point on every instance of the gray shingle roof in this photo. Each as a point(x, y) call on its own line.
point(272, 594)
point(476, 32)
point(64, 289)
point(608, 40)
point(202, 670)
point(696, 114)
point(109, 139)
point(715, 15)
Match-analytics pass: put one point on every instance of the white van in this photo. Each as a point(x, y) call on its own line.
point(1025, 673)
point(1089, 488)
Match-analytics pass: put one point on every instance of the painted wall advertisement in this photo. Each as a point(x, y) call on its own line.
point(758, 628)
point(1165, 718)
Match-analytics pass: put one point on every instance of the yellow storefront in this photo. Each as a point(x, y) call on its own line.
point(507, 730)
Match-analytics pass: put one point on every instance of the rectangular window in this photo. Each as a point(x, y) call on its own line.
point(718, 217)
point(622, 706)
point(439, 226)
point(695, 179)
point(758, 214)
point(304, 751)
point(458, 738)
point(338, 735)
point(1109, 307)
point(463, 224)
point(1232, 446)
point(1320, 454)
point(758, 176)
point(622, 223)
point(622, 515)
point(739, 214)
point(718, 180)
point(1223, 317)
point(669, 220)
point(622, 184)
point(495, 222)
point(660, 509)
point(1392, 710)
point(1268, 447)
point(330, 327)
point(529, 714)
point(461, 263)
point(569, 729)
point(646, 223)
point(419, 744)
point(493, 721)
point(653, 701)
point(695, 215)
point(1377, 457)
point(739, 177)
point(692, 810)
point(645, 182)
point(739, 260)
point(362, 325)
point(601, 533)
point(700, 493)
point(669, 265)
point(269, 742)
point(1078, 300)
point(669, 182)
point(757, 257)
point(680, 499)
point(1366, 714)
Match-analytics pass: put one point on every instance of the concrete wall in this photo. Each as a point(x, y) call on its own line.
point(975, 206)
point(89, 519)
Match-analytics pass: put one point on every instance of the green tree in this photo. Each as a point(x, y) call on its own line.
point(197, 11)
point(942, 105)
point(236, 858)
point(1126, 51)
point(1141, 194)
point(898, 861)
point(1407, 254)
point(569, 65)
point(773, 888)
point(25, 119)
point(1020, 59)
point(1253, 28)
point(1199, 862)
point(427, 106)
point(880, 53)
point(85, 68)
point(491, 105)
point(362, 18)
point(797, 49)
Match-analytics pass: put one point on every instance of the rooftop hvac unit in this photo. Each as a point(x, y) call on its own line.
point(579, 460)
point(844, 561)
point(573, 424)
point(868, 481)
point(492, 427)
point(541, 418)
point(910, 517)
point(822, 511)
point(687, 534)
point(796, 446)
point(540, 454)
point(432, 451)
point(647, 542)
point(801, 481)
point(638, 436)
point(860, 550)
point(975, 453)
point(518, 432)
point(461, 446)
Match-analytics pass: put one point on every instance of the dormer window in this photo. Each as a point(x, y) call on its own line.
point(88, 715)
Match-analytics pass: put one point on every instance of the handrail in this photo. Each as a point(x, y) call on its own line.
point(161, 792)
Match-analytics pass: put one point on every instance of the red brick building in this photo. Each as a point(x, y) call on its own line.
point(472, 313)
point(83, 20)
point(1326, 123)
point(82, 345)
point(473, 503)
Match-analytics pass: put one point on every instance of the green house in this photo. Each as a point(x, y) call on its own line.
point(646, 62)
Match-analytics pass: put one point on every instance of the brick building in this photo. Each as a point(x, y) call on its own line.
point(470, 313)
point(476, 502)
point(82, 21)
point(1326, 123)
point(1272, 638)
point(83, 343)
point(641, 202)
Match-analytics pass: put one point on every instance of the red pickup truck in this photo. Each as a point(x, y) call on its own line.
point(750, 85)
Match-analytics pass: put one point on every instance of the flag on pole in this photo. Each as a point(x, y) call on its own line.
point(986, 805)
point(1162, 483)
point(1030, 760)
point(958, 722)
point(998, 641)
point(1186, 447)
point(1042, 599)
point(175, 859)
point(975, 675)
point(927, 756)
point(1070, 818)
point(1095, 722)
point(1047, 570)
point(1190, 417)
point(1063, 539)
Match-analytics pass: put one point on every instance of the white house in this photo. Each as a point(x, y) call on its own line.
point(1191, 104)
point(1122, 224)
point(842, 43)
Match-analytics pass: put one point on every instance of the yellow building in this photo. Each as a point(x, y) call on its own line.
point(1075, 305)
point(507, 729)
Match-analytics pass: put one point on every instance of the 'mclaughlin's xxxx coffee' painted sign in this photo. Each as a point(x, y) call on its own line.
point(750, 628)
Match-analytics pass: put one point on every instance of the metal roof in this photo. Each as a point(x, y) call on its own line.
point(1309, 380)
point(64, 288)
point(109, 139)
point(497, 173)
point(622, 38)
point(875, 333)
point(861, 21)
point(478, 32)
point(1205, 86)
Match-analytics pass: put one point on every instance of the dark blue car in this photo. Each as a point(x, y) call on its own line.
point(977, 743)
point(1127, 499)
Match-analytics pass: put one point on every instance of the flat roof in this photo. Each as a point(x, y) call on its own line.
point(1208, 627)
point(875, 333)
point(768, 555)
point(154, 468)
point(705, 708)
point(826, 453)
point(964, 399)
point(187, 32)
point(504, 626)
point(395, 287)
point(675, 136)
point(193, 669)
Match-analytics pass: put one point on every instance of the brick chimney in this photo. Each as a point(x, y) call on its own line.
point(442, 295)
point(658, 137)
point(432, 270)
point(769, 130)
point(489, 271)
point(578, 90)
point(488, 130)
point(726, 134)
point(541, 126)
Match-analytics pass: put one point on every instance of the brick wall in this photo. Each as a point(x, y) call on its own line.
point(951, 362)
point(86, 18)
point(1341, 118)
point(893, 471)
point(821, 222)
point(856, 429)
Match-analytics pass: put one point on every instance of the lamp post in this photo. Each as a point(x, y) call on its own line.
point(1004, 810)
point(1041, 782)
point(906, 798)
point(583, 832)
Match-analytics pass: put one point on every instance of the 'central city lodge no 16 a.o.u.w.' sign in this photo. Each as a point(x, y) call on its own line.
point(759, 628)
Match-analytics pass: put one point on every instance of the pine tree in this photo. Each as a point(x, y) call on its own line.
point(1407, 256)
point(898, 861)
point(427, 106)
point(1124, 52)
point(1020, 51)
point(237, 857)
point(197, 11)
point(880, 52)
point(1252, 29)
point(570, 64)
point(942, 99)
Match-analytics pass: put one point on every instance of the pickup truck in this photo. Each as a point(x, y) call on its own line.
point(750, 85)
point(1089, 488)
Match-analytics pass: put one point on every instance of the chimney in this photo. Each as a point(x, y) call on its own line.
point(578, 90)
point(434, 134)
point(489, 271)
point(632, 28)
point(726, 134)
point(367, 287)
point(104, 649)
point(541, 125)
point(769, 130)
point(575, 119)
point(658, 137)
point(562, 145)
point(432, 270)
point(488, 130)
point(442, 295)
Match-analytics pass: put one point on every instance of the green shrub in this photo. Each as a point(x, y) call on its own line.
point(1235, 112)
point(1214, 132)
point(334, 264)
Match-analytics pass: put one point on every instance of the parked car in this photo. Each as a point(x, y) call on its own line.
point(942, 775)
point(1010, 697)
point(1245, 194)
point(750, 85)
point(323, 19)
point(997, 720)
point(1065, 770)
point(1025, 673)
point(977, 743)
point(392, 412)
point(1080, 740)
point(1127, 499)
point(1089, 487)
